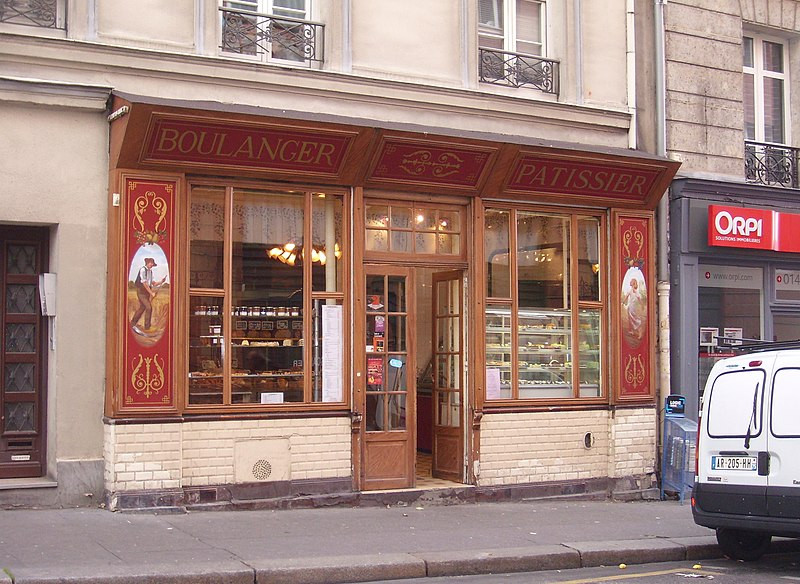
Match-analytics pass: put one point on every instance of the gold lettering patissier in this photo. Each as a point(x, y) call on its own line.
point(240, 146)
point(634, 370)
point(421, 161)
point(148, 382)
point(550, 176)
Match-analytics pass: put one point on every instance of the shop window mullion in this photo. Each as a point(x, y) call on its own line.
point(574, 297)
point(512, 264)
point(308, 262)
point(227, 309)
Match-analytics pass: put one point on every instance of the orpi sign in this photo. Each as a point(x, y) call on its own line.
point(741, 227)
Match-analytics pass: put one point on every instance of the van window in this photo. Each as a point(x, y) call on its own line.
point(786, 403)
point(730, 407)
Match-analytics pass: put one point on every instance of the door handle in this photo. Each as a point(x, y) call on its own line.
point(763, 464)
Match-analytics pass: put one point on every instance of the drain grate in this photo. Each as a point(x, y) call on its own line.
point(262, 469)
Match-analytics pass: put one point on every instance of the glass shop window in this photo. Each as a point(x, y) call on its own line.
point(544, 310)
point(266, 297)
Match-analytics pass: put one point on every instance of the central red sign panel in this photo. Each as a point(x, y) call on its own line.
point(422, 162)
point(206, 142)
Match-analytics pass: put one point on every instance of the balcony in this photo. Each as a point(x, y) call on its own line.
point(271, 38)
point(39, 13)
point(517, 70)
point(770, 165)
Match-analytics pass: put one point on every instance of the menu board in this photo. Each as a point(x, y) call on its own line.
point(332, 356)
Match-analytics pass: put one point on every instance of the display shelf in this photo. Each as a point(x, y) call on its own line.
point(545, 351)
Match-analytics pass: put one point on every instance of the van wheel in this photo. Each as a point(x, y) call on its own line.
point(739, 544)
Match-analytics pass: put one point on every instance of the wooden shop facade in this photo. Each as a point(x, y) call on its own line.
point(315, 306)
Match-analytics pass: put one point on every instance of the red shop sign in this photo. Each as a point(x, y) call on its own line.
point(740, 227)
point(748, 228)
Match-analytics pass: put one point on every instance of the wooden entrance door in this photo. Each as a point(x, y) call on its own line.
point(390, 379)
point(23, 256)
point(448, 376)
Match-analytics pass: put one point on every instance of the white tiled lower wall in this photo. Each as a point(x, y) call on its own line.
point(549, 446)
point(163, 456)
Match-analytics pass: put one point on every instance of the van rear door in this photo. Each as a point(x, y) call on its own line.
point(729, 478)
point(783, 482)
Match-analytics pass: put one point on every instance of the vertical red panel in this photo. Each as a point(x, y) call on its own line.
point(149, 294)
point(635, 294)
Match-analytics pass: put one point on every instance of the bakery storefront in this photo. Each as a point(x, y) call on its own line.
point(301, 308)
point(736, 269)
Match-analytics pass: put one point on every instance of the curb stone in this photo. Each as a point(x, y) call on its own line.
point(501, 561)
point(630, 551)
point(182, 573)
point(339, 569)
point(702, 547)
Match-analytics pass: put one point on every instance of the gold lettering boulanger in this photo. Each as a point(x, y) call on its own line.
point(634, 370)
point(243, 147)
point(159, 205)
point(421, 161)
point(148, 382)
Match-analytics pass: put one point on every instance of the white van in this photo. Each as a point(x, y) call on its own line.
point(747, 485)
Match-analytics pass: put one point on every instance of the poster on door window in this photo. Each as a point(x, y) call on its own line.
point(708, 336)
point(493, 383)
point(375, 371)
point(732, 333)
point(332, 356)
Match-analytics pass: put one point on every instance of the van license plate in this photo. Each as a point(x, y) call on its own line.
point(734, 463)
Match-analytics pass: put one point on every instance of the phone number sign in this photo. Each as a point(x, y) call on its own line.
point(787, 279)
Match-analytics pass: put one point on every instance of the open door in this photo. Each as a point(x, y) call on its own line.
point(448, 376)
point(390, 380)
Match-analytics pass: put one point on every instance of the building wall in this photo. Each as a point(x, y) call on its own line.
point(549, 446)
point(705, 115)
point(53, 159)
point(168, 456)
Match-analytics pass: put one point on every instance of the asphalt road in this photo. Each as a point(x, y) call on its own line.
point(773, 569)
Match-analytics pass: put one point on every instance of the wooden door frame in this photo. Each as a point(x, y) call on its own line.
point(447, 276)
point(40, 236)
point(360, 361)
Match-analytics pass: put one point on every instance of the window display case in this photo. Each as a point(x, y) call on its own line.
point(545, 353)
point(266, 353)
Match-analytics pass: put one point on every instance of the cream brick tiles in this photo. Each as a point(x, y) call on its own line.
point(161, 456)
point(542, 447)
point(633, 442)
point(550, 446)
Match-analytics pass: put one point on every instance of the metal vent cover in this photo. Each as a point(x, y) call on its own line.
point(262, 469)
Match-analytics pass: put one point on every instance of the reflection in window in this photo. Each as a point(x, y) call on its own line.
point(543, 339)
point(257, 334)
point(413, 229)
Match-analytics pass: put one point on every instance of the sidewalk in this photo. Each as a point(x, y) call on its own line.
point(343, 544)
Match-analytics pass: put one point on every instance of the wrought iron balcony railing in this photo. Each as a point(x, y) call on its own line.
point(272, 37)
point(41, 13)
point(517, 70)
point(771, 164)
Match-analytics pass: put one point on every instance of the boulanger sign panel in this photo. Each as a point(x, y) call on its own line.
point(749, 228)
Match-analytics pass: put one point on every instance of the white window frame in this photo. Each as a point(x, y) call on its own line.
point(268, 7)
point(509, 29)
point(759, 74)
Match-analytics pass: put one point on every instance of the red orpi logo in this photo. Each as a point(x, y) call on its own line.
point(740, 227)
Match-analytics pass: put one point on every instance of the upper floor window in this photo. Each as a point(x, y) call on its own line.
point(274, 30)
point(40, 13)
point(512, 25)
point(512, 44)
point(765, 90)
